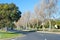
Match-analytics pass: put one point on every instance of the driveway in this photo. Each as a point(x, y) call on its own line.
point(39, 36)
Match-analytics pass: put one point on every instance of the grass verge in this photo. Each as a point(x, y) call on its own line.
point(4, 35)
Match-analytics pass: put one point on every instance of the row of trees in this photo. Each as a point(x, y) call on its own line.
point(10, 16)
point(44, 11)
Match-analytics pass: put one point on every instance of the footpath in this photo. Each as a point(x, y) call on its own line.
point(49, 32)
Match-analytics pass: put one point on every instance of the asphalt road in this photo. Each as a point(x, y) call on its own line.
point(39, 36)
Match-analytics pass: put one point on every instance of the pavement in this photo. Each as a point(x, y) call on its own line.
point(39, 36)
point(49, 32)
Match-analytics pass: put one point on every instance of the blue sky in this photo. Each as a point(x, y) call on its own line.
point(24, 5)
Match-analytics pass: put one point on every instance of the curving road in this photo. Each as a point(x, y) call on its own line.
point(39, 36)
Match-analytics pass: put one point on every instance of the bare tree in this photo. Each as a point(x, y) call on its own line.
point(45, 10)
point(24, 20)
point(27, 18)
point(40, 13)
point(51, 8)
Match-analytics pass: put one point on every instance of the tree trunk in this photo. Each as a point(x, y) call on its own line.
point(49, 25)
point(26, 25)
point(37, 24)
point(43, 26)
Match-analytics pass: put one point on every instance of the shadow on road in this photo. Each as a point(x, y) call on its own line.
point(20, 31)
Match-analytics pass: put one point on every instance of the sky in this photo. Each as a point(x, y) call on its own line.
point(24, 5)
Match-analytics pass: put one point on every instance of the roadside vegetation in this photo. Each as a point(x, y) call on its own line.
point(42, 19)
point(9, 35)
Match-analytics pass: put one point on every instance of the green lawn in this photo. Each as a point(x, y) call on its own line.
point(4, 35)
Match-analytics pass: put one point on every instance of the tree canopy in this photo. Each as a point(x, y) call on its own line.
point(8, 14)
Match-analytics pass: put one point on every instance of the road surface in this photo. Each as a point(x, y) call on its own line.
point(39, 36)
